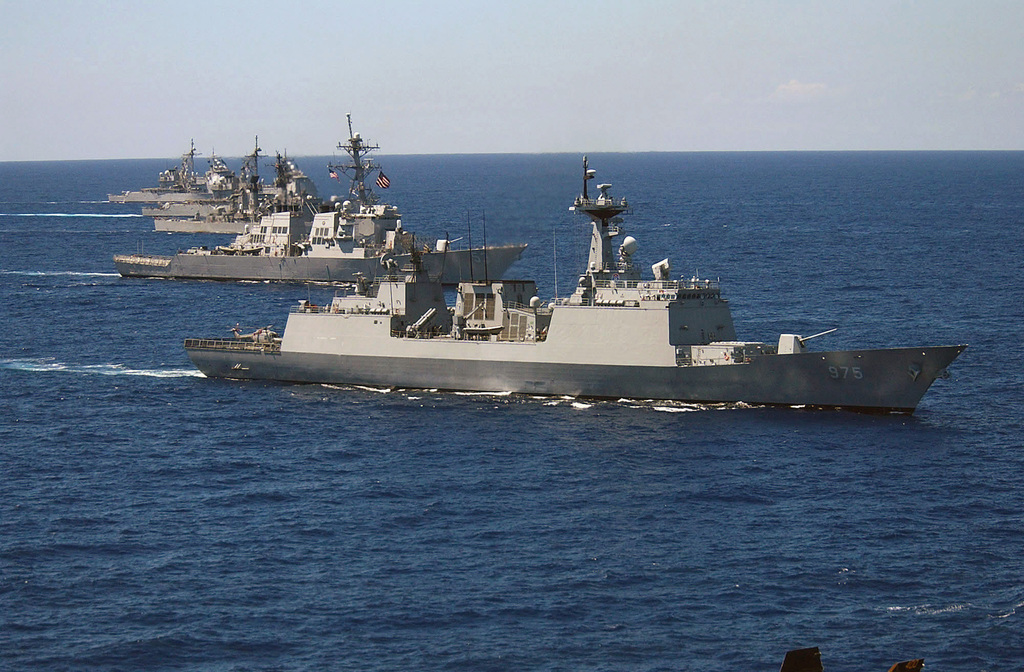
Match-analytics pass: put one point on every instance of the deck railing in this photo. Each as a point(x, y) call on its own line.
point(657, 284)
point(231, 344)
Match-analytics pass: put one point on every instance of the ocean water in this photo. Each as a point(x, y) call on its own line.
point(153, 519)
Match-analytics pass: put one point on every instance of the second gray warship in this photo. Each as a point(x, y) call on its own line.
point(356, 238)
point(220, 201)
point(176, 184)
point(617, 336)
point(231, 203)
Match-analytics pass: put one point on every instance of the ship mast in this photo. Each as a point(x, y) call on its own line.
point(358, 167)
point(251, 167)
point(249, 192)
point(188, 168)
point(604, 213)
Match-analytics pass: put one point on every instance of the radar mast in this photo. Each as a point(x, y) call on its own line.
point(358, 168)
point(604, 213)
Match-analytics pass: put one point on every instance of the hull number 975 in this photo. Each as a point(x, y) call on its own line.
point(844, 372)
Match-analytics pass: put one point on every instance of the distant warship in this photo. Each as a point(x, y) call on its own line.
point(617, 336)
point(178, 183)
point(220, 201)
point(338, 241)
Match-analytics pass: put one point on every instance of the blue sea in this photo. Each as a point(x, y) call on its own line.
point(154, 519)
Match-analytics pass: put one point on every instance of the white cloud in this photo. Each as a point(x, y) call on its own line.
point(797, 90)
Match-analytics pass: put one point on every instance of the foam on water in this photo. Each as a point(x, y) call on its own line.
point(99, 215)
point(71, 274)
point(379, 390)
point(49, 365)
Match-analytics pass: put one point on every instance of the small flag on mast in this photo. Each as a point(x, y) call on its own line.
point(382, 180)
point(334, 174)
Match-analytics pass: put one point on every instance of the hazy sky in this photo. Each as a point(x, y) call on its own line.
point(119, 79)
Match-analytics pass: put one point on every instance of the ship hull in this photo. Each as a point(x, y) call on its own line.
point(881, 380)
point(453, 266)
point(202, 225)
point(159, 196)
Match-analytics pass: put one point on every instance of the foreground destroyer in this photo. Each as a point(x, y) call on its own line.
point(356, 238)
point(617, 336)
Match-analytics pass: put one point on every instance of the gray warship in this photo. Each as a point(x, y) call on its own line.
point(307, 240)
point(238, 203)
point(176, 184)
point(220, 201)
point(618, 335)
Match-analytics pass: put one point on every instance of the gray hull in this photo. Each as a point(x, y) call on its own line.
point(193, 209)
point(158, 196)
point(883, 380)
point(453, 266)
point(207, 225)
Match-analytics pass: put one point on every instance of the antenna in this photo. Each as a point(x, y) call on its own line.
point(357, 169)
point(585, 178)
point(469, 235)
point(587, 175)
point(554, 255)
point(483, 215)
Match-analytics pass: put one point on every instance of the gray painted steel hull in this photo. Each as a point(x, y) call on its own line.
point(453, 266)
point(199, 225)
point(159, 196)
point(887, 380)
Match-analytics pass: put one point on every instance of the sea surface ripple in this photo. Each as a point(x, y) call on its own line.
point(151, 518)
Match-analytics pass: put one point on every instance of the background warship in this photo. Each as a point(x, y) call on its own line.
point(178, 183)
point(220, 201)
point(616, 336)
point(306, 240)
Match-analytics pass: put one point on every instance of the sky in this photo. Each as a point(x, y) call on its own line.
point(94, 79)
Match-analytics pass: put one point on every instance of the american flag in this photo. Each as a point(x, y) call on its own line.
point(334, 174)
point(382, 181)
